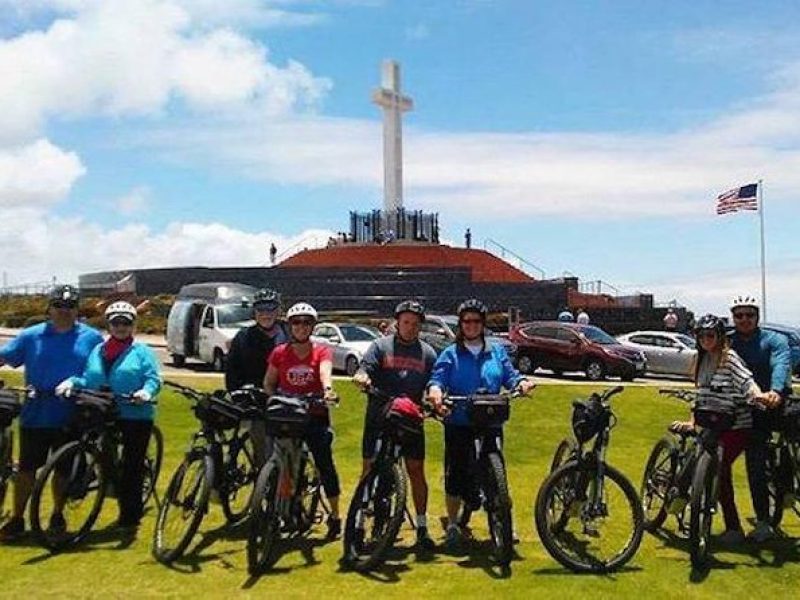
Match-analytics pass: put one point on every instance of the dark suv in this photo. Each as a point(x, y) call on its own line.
point(571, 347)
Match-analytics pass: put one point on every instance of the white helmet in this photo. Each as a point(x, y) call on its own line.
point(121, 310)
point(742, 301)
point(301, 309)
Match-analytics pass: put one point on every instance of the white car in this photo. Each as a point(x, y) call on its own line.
point(668, 352)
point(349, 342)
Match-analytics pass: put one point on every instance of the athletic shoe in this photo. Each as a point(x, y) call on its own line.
point(761, 533)
point(334, 528)
point(732, 537)
point(13, 530)
point(424, 541)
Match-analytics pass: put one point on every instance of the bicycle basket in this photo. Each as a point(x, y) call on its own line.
point(251, 400)
point(217, 412)
point(286, 417)
point(9, 408)
point(715, 415)
point(404, 416)
point(588, 419)
point(92, 413)
point(488, 413)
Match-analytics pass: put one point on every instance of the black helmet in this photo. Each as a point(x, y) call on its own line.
point(411, 306)
point(267, 299)
point(473, 305)
point(65, 295)
point(710, 323)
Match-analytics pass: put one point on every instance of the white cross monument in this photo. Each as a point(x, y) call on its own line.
point(394, 104)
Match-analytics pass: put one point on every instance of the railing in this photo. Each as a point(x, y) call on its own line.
point(311, 241)
point(596, 287)
point(36, 288)
point(510, 257)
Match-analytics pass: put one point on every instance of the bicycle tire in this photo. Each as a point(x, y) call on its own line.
point(189, 507)
point(152, 465)
point(702, 504)
point(660, 473)
point(83, 465)
point(238, 480)
point(309, 495)
point(264, 520)
point(6, 467)
point(381, 494)
point(498, 510)
point(565, 451)
point(567, 479)
point(778, 474)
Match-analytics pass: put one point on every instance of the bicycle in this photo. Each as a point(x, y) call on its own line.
point(783, 463)
point(587, 492)
point(10, 407)
point(220, 457)
point(668, 472)
point(288, 498)
point(487, 413)
point(86, 470)
point(378, 506)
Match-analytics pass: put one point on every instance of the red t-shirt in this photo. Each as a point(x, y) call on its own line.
point(299, 376)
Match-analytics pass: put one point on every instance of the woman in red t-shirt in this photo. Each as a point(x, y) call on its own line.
point(302, 367)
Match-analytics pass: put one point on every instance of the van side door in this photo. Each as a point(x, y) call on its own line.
point(208, 323)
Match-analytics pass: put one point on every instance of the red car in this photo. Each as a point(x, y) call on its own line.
point(560, 347)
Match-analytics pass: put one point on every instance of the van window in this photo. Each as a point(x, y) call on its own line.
point(208, 317)
point(234, 315)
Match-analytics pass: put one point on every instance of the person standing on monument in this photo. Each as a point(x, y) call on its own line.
point(273, 253)
point(468, 239)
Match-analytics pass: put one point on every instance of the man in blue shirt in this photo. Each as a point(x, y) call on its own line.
point(50, 352)
point(767, 355)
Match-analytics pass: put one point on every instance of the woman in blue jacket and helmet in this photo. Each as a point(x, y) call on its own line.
point(463, 368)
point(126, 367)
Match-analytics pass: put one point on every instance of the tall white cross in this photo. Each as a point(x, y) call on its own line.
point(394, 104)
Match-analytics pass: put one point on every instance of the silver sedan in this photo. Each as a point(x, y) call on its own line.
point(668, 353)
point(349, 342)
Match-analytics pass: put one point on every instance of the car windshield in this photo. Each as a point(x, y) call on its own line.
point(358, 333)
point(234, 315)
point(597, 335)
point(687, 339)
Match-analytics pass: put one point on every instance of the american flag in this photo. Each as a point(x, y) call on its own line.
point(741, 198)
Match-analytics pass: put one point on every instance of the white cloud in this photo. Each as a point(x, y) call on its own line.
point(36, 175)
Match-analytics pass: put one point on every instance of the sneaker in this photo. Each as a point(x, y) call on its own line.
point(452, 538)
point(13, 530)
point(334, 528)
point(57, 526)
point(761, 533)
point(732, 537)
point(424, 541)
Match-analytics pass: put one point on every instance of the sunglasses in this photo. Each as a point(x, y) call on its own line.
point(744, 315)
point(120, 322)
point(709, 335)
point(64, 304)
point(471, 321)
point(303, 322)
point(266, 310)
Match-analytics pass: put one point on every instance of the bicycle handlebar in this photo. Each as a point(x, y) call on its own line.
point(77, 394)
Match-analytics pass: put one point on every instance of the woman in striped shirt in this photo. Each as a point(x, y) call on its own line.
point(723, 379)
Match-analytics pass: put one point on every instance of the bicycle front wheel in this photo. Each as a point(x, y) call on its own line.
point(565, 451)
point(6, 468)
point(498, 509)
point(152, 464)
point(265, 522)
point(659, 478)
point(375, 516)
point(239, 479)
point(68, 495)
point(586, 529)
point(310, 501)
point(183, 507)
point(702, 506)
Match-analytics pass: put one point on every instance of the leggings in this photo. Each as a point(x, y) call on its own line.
point(733, 444)
point(319, 439)
point(135, 437)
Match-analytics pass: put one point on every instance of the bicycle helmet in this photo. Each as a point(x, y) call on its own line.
point(266, 299)
point(64, 294)
point(744, 301)
point(121, 310)
point(301, 309)
point(473, 305)
point(411, 306)
point(710, 323)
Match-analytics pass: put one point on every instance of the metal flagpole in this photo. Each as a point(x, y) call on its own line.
point(763, 262)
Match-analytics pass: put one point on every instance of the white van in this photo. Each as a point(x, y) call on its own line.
point(204, 320)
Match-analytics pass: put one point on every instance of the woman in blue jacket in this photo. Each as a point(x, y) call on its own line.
point(126, 367)
point(463, 368)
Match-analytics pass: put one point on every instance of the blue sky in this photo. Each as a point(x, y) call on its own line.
point(588, 137)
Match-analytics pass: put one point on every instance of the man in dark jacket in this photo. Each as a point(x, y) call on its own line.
point(247, 358)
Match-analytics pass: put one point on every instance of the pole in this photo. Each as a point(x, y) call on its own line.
point(763, 260)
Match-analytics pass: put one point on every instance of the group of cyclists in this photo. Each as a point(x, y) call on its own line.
point(747, 367)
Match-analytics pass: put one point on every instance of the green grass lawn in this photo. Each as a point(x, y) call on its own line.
point(216, 564)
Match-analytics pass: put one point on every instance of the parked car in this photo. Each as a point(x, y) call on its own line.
point(349, 342)
point(440, 331)
point(667, 352)
point(204, 319)
point(561, 346)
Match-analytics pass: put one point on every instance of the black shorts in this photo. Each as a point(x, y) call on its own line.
point(412, 447)
point(35, 444)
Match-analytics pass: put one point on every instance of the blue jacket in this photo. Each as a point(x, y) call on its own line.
point(768, 356)
point(49, 358)
point(134, 370)
point(459, 372)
